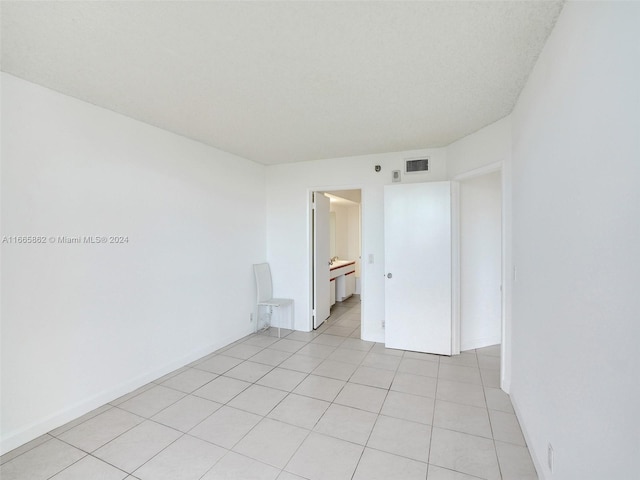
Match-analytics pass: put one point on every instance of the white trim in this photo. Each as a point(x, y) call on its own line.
point(540, 467)
point(507, 285)
point(455, 269)
point(478, 172)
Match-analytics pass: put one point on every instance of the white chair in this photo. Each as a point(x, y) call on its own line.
point(265, 295)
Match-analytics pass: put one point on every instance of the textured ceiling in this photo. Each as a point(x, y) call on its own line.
point(280, 82)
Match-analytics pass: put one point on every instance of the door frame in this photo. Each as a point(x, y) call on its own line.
point(310, 192)
point(506, 280)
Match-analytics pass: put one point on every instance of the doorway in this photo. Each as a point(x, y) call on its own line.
point(481, 261)
point(342, 265)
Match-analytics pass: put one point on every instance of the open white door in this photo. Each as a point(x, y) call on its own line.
point(418, 307)
point(321, 258)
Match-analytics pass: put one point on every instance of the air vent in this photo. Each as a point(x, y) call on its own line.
point(417, 165)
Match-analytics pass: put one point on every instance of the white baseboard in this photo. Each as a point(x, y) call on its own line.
point(538, 465)
point(44, 425)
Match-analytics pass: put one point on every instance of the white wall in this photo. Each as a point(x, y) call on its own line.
point(341, 230)
point(486, 146)
point(576, 238)
point(347, 232)
point(83, 324)
point(480, 261)
point(354, 241)
point(288, 233)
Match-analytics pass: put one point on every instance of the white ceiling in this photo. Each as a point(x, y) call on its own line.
point(280, 82)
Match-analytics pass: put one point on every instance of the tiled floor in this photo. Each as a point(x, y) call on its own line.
point(322, 406)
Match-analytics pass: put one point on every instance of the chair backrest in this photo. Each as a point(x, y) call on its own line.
point(263, 281)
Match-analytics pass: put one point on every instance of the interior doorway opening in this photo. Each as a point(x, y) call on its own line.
point(336, 280)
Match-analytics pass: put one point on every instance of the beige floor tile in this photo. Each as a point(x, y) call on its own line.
point(68, 426)
point(268, 356)
point(272, 442)
point(498, 400)
point(515, 462)
point(418, 367)
point(218, 364)
point(234, 466)
point(186, 413)
point(414, 384)
point(401, 437)
point(101, 429)
point(460, 392)
point(289, 476)
point(16, 452)
point(150, 402)
point(188, 458)
point(135, 447)
point(41, 462)
point(357, 344)
point(489, 362)
point(249, 371)
point(464, 453)
point(362, 397)
point(456, 373)
point(317, 350)
point(282, 379)
point(377, 465)
point(322, 388)
point(341, 331)
point(287, 345)
point(331, 340)
point(258, 399)
point(490, 377)
point(382, 360)
point(334, 369)
point(409, 407)
point(347, 423)
point(373, 377)
point(258, 340)
point(462, 360)
point(462, 418)
point(221, 389)
point(439, 473)
point(301, 363)
point(493, 350)
point(242, 351)
point(189, 380)
point(325, 458)
point(347, 355)
point(299, 410)
point(422, 356)
point(506, 428)
point(226, 426)
point(302, 336)
point(90, 468)
point(381, 349)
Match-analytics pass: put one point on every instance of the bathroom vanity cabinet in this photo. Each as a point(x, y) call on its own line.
point(342, 276)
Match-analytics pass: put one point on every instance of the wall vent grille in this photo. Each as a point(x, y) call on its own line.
point(417, 165)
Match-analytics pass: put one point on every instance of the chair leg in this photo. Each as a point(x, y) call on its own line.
point(271, 313)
